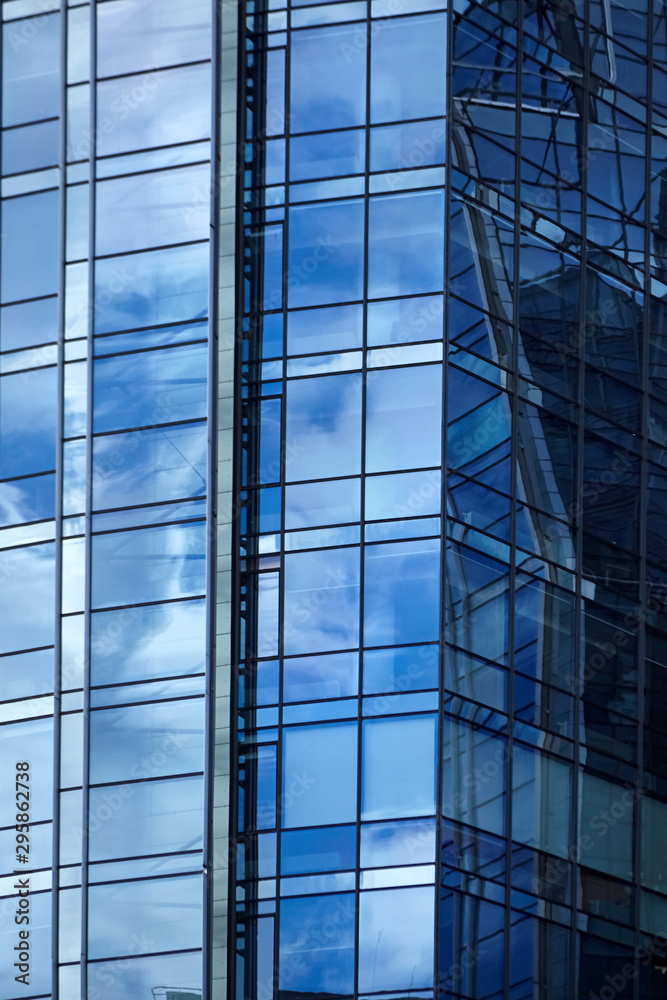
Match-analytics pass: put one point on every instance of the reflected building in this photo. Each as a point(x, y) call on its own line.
point(333, 413)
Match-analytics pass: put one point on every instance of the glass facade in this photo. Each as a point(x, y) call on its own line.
point(332, 433)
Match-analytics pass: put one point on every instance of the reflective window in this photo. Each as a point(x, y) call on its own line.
point(137, 35)
point(309, 961)
point(412, 87)
point(323, 427)
point(319, 774)
point(398, 767)
point(403, 419)
point(30, 74)
point(30, 247)
point(27, 617)
point(396, 939)
point(321, 601)
point(325, 262)
point(406, 244)
point(328, 78)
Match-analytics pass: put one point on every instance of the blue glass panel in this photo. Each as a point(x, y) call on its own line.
point(319, 774)
point(414, 668)
point(154, 209)
point(147, 741)
point(160, 337)
point(30, 246)
point(403, 419)
point(536, 780)
point(137, 819)
point(396, 939)
point(412, 144)
point(28, 323)
point(474, 783)
point(407, 494)
point(30, 148)
point(325, 262)
point(328, 78)
point(24, 500)
point(267, 769)
point(334, 329)
point(402, 593)
point(30, 70)
point(167, 911)
point(412, 87)
point(328, 850)
point(398, 768)
point(406, 244)
point(40, 943)
point(471, 967)
point(140, 643)
point(317, 944)
point(308, 678)
point(313, 504)
point(406, 842)
point(335, 154)
point(150, 564)
point(141, 112)
point(134, 978)
point(321, 601)
point(137, 34)
point(28, 609)
point(32, 742)
point(323, 427)
point(166, 463)
point(161, 286)
point(27, 674)
point(153, 387)
point(405, 321)
point(269, 440)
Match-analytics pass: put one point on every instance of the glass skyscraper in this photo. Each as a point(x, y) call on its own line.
point(333, 547)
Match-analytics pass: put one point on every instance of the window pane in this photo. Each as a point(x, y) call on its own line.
point(134, 978)
point(167, 911)
point(310, 962)
point(30, 148)
point(30, 246)
point(154, 209)
point(147, 741)
point(135, 35)
point(404, 419)
point(28, 606)
point(398, 772)
point(396, 939)
point(320, 774)
point(406, 251)
point(33, 742)
point(541, 796)
point(128, 821)
point(28, 422)
point(325, 261)
point(321, 601)
point(402, 593)
point(152, 564)
point(408, 70)
point(174, 107)
point(323, 427)
point(149, 466)
point(155, 387)
point(30, 77)
point(328, 78)
point(142, 643)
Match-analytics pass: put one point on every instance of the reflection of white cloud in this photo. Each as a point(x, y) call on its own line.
point(321, 601)
point(134, 979)
point(396, 939)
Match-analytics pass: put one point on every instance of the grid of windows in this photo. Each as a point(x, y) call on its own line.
point(105, 284)
point(451, 561)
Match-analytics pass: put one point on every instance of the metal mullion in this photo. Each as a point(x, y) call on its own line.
point(513, 400)
point(577, 521)
point(444, 494)
point(362, 494)
point(644, 594)
point(88, 503)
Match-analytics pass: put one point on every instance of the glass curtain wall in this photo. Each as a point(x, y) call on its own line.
point(104, 468)
point(451, 563)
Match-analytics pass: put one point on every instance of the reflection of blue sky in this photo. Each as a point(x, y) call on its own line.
point(134, 978)
point(321, 601)
point(323, 436)
point(328, 77)
point(317, 944)
point(30, 71)
point(329, 154)
point(310, 505)
point(399, 767)
point(335, 328)
point(166, 912)
point(30, 246)
point(407, 842)
point(31, 741)
point(403, 419)
point(408, 88)
point(158, 286)
point(154, 641)
point(406, 244)
point(28, 323)
point(396, 939)
point(325, 259)
point(24, 500)
point(150, 466)
point(28, 602)
point(40, 944)
point(151, 564)
point(139, 34)
point(154, 387)
point(321, 763)
point(309, 677)
point(147, 741)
